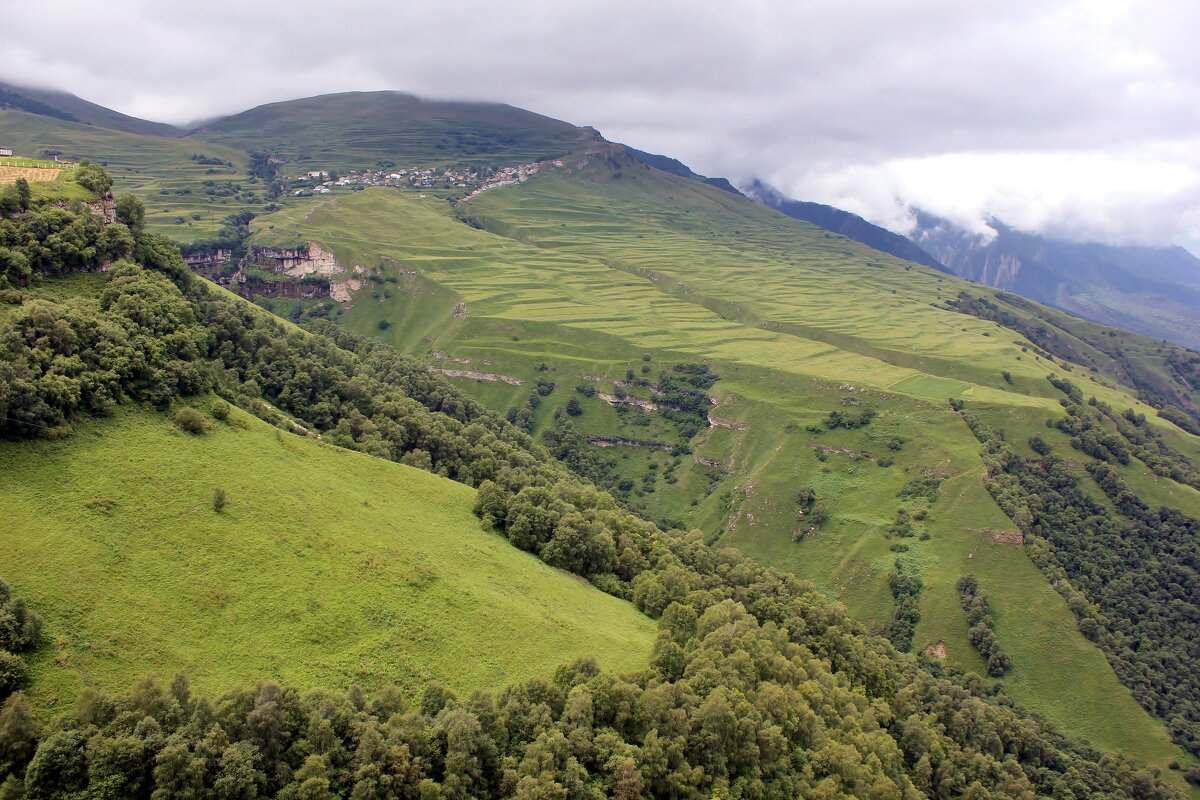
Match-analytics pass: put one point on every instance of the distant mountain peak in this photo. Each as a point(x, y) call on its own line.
point(847, 224)
point(69, 108)
point(1154, 291)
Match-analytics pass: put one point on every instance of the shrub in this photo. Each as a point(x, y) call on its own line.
point(13, 673)
point(220, 410)
point(191, 420)
point(218, 500)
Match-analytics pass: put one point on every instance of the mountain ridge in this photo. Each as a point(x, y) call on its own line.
point(1154, 291)
point(69, 107)
point(844, 222)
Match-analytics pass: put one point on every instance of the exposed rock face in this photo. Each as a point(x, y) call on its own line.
point(613, 441)
point(636, 402)
point(1154, 291)
point(208, 258)
point(479, 376)
point(106, 208)
point(343, 290)
point(296, 262)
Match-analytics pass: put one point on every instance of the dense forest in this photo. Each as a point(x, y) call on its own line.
point(1129, 572)
point(757, 687)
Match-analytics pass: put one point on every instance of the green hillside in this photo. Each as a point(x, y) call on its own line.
point(617, 273)
point(66, 106)
point(358, 129)
point(326, 568)
point(185, 198)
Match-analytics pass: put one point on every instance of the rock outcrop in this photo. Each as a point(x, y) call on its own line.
point(296, 262)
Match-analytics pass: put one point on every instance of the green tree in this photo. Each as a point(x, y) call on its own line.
point(24, 195)
point(18, 736)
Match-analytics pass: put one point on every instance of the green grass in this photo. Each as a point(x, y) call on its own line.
point(327, 568)
point(358, 129)
point(584, 273)
point(158, 169)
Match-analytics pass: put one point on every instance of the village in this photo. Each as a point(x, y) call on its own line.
point(475, 180)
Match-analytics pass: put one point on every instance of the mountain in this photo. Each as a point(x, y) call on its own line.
point(359, 129)
point(677, 167)
point(68, 107)
point(705, 359)
point(849, 225)
point(1152, 290)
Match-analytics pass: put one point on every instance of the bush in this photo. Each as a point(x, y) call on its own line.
point(13, 673)
point(191, 420)
point(218, 500)
point(220, 410)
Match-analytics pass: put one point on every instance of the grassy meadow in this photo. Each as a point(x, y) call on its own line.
point(326, 568)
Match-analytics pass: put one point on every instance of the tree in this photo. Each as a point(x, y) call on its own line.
point(59, 766)
point(573, 407)
point(92, 176)
point(239, 777)
point(13, 673)
point(24, 195)
point(132, 212)
point(18, 737)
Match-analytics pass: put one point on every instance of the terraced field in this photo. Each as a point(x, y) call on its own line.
point(613, 273)
point(161, 170)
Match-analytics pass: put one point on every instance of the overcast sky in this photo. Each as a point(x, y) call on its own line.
point(1079, 119)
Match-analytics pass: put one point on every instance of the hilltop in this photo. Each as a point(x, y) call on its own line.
point(359, 129)
point(69, 108)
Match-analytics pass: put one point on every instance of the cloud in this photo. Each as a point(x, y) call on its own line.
point(1076, 117)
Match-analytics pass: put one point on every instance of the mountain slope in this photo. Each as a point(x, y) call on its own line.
point(1154, 291)
point(189, 187)
point(68, 107)
point(677, 167)
point(326, 568)
point(849, 225)
point(358, 129)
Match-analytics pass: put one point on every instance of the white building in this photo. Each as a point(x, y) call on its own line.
point(4, 151)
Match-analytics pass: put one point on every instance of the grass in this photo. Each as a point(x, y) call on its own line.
point(158, 169)
point(326, 568)
point(358, 129)
point(581, 273)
